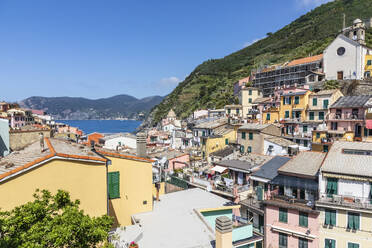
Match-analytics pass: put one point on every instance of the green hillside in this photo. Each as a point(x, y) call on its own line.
point(210, 85)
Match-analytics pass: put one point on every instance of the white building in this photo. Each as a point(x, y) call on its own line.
point(344, 58)
point(120, 140)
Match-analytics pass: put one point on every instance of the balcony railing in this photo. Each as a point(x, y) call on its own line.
point(349, 116)
point(347, 201)
point(292, 200)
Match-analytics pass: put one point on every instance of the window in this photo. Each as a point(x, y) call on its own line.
point(353, 221)
point(249, 150)
point(330, 217)
point(369, 62)
point(289, 100)
point(243, 135)
point(283, 240)
point(302, 243)
point(341, 50)
point(352, 245)
point(286, 114)
point(329, 243)
point(303, 219)
point(325, 148)
point(306, 143)
point(283, 215)
point(241, 149)
point(226, 141)
point(304, 129)
point(203, 134)
point(250, 100)
point(317, 135)
point(357, 152)
point(114, 185)
point(203, 142)
point(297, 100)
point(325, 103)
point(251, 136)
point(321, 115)
point(268, 116)
point(334, 125)
point(315, 101)
point(283, 100)
point(228, 111)
point(311, 116)
point(332, 184)
point(237, 111)
point(250, 92)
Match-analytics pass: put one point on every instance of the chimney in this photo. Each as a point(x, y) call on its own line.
point(141, 144)
point(41, 142)
point(223, 232)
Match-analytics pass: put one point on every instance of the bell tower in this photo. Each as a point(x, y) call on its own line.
point(358, 32)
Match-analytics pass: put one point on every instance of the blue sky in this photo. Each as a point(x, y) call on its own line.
point(95, 48)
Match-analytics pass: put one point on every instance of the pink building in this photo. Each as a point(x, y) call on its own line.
point(240, 84)
point(291, 219)
point(178, 162)
point(17, 118)
point(347, 116)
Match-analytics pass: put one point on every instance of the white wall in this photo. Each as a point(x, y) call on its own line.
point(125, 141)
point(351, 62)
point(348, 187)
point(277, 150)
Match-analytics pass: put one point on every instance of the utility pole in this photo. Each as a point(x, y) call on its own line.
point(344, 22)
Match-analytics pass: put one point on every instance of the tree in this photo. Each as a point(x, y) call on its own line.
point(52, 221)
point(331, 84)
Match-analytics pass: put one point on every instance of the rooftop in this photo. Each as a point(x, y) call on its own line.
point(224, 152)
point(305, 60)
point(279, 141)
point(117, 135)
point(351, 101)
point(245, 163)
point(175, 223)
point(253, 126)
point(261, 100)
point(269, 170)
point(339, 162)
point(32, 155)
point(305, 164)
point(212, 124)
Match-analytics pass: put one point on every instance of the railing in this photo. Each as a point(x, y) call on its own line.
point(292, 200)
point(242, 232)
point(349, 116)
point(347, 201)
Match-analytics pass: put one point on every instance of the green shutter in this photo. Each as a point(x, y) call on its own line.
point(315, 101)
point(303, 219)
point(283, 100)
point(333, 217)
point(286, 114)
point(352, 245)
point(249, 149)
point(251, 136)
point(329, 243)
point(290, 100)
point(321, 115)
point(350, 221)
point(356, 221)
point(325, 103)
point(311, 116)
point(243, 135)
point(114, 184)
point(242, 149)
point(259, 193)
point(226, 141)
point(268, 116)
point(304, 129)
point(327, 219)
point(297, 100)
point(283, 215)
point(331, 186)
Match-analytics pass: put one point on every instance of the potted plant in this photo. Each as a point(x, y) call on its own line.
point(133, 245)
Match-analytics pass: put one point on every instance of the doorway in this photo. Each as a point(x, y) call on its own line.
point(340, 75)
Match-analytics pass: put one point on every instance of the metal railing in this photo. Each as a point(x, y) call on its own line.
point(347, 201)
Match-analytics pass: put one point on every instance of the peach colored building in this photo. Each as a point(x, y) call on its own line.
point(178, 162)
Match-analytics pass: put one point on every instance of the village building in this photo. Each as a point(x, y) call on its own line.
point(291, 219)
point(241, 83)
point(221, 137)
point(247, 97)
point(4, 138)
point(251, 136)
point(345, 57)
point(346, 195)
point(119, 141)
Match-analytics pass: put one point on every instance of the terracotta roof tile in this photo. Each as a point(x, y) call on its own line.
point(305, 60)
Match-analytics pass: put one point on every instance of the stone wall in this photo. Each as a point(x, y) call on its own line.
point(19, 139)
point(351, 87)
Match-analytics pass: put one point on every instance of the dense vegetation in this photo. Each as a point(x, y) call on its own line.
point(52, 221)
point(210, 84)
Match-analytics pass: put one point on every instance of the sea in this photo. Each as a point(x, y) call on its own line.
point(104, 126)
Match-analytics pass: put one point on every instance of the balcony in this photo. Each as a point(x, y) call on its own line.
point(291, 203)
point(348, 117)
point(345, 201)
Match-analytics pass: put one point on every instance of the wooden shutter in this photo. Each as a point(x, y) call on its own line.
point(333, 217)
point(350, 221)
point(114, 184)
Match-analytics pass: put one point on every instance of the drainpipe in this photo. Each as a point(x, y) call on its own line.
point(108, 162)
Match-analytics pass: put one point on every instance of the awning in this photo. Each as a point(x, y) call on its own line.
point(219, 169)
point(369, 124)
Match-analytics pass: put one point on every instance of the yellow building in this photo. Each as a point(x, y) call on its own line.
point(368, 66)
point(233, 110)
point(222, 137)
point(127, 189)
point(293, 104)
point(59, 166)
point(130, 186)
point(270, 115)
point(247, 97)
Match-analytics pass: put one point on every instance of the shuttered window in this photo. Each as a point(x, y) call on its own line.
point(297, 100)
point(321, 115)
point(249, 150)
point(311, 116)
point(353, 221)
point(268, 116)
point(226, 141)
point(315, 101)
point(329, 243)
point(331, 186)
point(283, 215)
point(352, 245)
point(283, 240)
point(114, 185)
point(251, 136)
point(242, 149)
point(286, 114)
point(325, 103)
point(303, 219)
point(302, 243)
point(243, 135)
point(330, 217)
